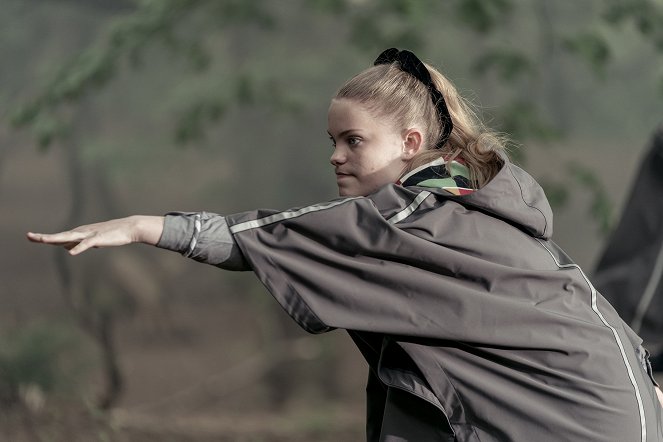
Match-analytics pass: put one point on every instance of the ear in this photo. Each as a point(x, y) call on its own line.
point(412, 141)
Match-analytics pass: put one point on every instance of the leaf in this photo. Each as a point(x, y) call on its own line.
point(245, 90)
point(600, 208)
point(646, 15)
point(508, 64)
point(235, 12)
point(483, 16)
point(329, 6)
point(407, 9)
point(522, 120)
point(25, 114)
point(592, 48)
point(557, 193)
point(47, 129)
point(369, 34)
point(617, 12)
point(194, 120)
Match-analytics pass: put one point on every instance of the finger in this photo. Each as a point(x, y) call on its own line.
point(58, 238)
point(34, 237)
point(81, 247)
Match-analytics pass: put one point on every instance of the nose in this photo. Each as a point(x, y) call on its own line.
point(338, 157)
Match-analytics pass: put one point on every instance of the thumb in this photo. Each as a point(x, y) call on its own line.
point(81, 247)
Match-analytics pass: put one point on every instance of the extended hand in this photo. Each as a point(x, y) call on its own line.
point(116, 232)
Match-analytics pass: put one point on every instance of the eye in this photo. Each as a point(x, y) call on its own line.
point(354, 141)
point(332, 141)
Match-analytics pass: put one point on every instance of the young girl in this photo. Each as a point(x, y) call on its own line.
point(439, 264)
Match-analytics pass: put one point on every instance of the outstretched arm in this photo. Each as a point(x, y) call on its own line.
point(116, 232)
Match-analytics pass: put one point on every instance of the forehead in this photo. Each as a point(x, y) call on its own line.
point(344, 112)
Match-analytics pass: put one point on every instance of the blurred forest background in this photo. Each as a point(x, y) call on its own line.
point(110, 108)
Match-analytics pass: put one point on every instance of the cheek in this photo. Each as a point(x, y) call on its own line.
point(387, 159)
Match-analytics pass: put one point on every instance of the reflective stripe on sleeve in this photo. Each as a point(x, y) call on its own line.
point(254, 224)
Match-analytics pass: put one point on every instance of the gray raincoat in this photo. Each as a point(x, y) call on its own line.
point(475, 325)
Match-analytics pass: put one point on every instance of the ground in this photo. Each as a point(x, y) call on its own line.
point(72, 424)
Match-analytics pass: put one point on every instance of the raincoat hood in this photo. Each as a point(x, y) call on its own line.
point(512, 195)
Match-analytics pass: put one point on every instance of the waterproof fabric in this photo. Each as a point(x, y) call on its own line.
point(630, 271)
point(462, 302)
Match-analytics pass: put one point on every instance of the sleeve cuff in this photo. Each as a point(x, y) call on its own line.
point(204, 237)
point(178, 231)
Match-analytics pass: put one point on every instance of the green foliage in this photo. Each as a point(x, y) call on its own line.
point(246, 91)
point(330, 6)
point(202, 33)
point(600, 208)
point(369, 34)
point(47, 356)
point(194, 120)
point(522, 120)
point(125, 40)
point(509, 65)
point(646, 15)
point(240, 12)
point(582, 180)
point(47, 128)
point(591, 47)
point(376, 25)
point(483, 16)
point(96, 66)
point(557, 193)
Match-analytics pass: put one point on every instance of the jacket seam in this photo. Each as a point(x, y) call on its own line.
point(629, 369)
point(545, 220)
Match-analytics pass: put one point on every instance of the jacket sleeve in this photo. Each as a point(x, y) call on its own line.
point(340, 264)
point(349, 264)
point(330, 265)
point(204, 237)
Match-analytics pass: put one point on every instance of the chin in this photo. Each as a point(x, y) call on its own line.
point(354, 191)
point(342, 191)
point(348, 192)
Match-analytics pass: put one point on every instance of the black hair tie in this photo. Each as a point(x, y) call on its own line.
point(409, 63)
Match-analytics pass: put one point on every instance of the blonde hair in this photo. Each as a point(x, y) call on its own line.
point(388, 92)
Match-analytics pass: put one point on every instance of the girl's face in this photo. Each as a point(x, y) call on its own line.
point(368, 151)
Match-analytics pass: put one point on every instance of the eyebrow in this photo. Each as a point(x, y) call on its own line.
point(345, 132)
